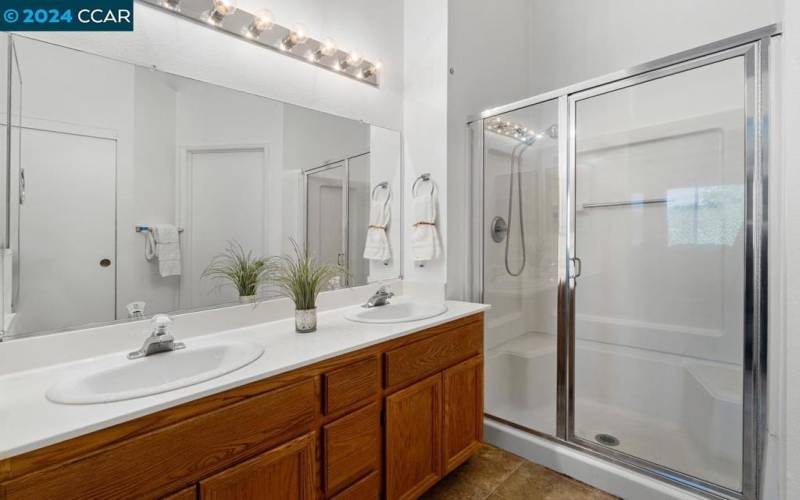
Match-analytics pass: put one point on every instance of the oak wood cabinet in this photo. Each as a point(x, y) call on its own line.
point(387, 421)
point(462, 394)
point(286, 472)
point(413, 439)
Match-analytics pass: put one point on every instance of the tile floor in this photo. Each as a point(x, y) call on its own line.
point(498, 475)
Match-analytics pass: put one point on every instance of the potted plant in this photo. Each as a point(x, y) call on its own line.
point(238, 268)
point(301, 278)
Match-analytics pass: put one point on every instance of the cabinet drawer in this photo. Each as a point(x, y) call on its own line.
point(351, 447)
point(350, 384)
point(368, 488)
point(155, 464)
point(425, 357)
point(189, 493)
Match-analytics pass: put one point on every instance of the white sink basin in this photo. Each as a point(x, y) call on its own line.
point(397, 312)
point(119, 378)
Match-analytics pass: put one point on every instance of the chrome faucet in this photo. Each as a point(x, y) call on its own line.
point(380, 298)
point(159, 340)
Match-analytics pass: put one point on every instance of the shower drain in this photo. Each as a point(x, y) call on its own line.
point(606, 439)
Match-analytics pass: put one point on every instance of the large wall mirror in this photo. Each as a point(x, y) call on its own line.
point(114, 166)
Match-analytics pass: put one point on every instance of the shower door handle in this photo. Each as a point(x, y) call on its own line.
point(22, 186)
point(577, 267)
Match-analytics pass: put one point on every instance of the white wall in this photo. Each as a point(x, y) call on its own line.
point(788, 313)
point(425, 120)
point(488, 51)
point(175, 45)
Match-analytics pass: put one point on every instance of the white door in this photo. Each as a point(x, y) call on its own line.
point(226, 202)
point(67, 248)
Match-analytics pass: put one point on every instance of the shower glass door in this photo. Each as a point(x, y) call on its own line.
point(660, 219)
point(520, 266)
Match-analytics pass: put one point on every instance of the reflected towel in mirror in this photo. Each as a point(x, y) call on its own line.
point(162, 241)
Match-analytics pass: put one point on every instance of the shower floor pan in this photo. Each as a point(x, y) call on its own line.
point(669, 410)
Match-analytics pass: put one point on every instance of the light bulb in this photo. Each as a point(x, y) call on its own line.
point(172, 5)
point(262, 21)
point(371, 70)
point(351, 60)
point(354, 59)
point(221, 9)
point(295, 37)
point(326, 49)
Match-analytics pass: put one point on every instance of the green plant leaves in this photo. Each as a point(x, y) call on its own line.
point(300, 277)
point(239, 269)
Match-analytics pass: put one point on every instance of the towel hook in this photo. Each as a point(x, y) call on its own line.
point(422, 178)
point(382, 185)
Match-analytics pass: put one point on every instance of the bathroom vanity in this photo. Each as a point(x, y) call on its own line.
point(386, 420)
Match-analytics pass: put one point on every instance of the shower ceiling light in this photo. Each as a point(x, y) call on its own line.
point(259, 28)
point(513, 131)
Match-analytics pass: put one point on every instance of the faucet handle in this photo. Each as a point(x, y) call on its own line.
point(160, 323)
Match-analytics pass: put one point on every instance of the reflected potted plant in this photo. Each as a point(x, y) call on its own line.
point(301, 278)
point(240, 269)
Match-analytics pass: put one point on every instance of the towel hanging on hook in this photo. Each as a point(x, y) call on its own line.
point(426, 244)
point(376, 246)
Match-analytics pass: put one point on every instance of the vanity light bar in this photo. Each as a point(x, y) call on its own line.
point(260, 28)
point(512, 130)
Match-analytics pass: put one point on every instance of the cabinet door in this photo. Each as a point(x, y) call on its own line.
point(413, 439)
point(285, 473)
point(463, 412)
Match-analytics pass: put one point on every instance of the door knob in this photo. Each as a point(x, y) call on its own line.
point(105, 262)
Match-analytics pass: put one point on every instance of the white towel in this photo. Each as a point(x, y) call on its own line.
point(376, 246)
point(163, 241)
point(425, 244)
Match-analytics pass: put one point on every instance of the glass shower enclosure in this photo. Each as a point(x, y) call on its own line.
point(621, 243)
point(336, 195)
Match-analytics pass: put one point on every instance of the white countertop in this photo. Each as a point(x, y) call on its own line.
point(28, 420)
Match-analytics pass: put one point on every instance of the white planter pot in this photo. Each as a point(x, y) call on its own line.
point(305, 320)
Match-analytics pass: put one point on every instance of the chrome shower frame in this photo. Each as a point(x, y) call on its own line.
point(344, 164)
point(753, 47)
